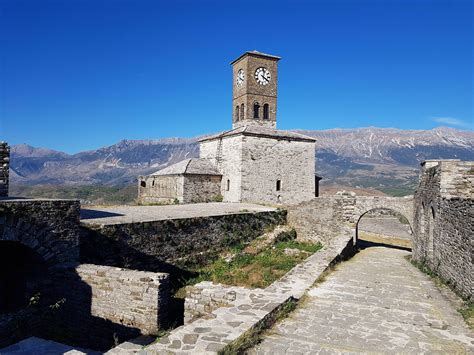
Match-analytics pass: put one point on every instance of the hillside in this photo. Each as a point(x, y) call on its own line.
point(381, 158)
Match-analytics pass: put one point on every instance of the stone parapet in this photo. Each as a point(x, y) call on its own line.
point(4, 168)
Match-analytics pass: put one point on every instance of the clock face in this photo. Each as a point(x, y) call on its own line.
point(263, 76)
point(240, 77)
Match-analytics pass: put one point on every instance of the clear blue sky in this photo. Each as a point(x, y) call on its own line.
point(78, 75)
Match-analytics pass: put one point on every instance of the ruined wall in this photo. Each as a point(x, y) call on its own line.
point(4, 168)
point(160, 189)
point(201, 188)
point(136, 299)
point(161, 245)
point(443, 222)
point(266, 161)
point(229, 164)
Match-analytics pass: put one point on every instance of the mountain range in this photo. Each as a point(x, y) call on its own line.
point(386, 159)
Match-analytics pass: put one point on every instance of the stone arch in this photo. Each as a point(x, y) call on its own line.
point(39, 237)
point(356, 236)
point(401, 205)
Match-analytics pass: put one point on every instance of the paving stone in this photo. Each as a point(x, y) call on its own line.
point(375, 302)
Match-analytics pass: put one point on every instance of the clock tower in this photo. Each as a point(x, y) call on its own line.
point(254, 90)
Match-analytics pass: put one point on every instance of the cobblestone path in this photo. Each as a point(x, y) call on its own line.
point(376, 302)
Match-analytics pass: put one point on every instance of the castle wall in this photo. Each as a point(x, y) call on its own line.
point(443, 222)
point(135, 299)
point(4, 168)
point(159, 246)
point(267, 160)
point(230, 164)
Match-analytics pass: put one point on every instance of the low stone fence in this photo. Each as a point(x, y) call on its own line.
point(163, 245)
point(132, 298)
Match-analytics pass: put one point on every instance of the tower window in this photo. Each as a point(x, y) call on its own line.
point(227, 186)
point(242, 111)
point(256, 110)
point(265, 112)
point(143, 184)
point(278, 185)
point(237, 113)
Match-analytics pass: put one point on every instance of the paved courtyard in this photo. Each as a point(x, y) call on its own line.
point(376, 302)
point(131, 214)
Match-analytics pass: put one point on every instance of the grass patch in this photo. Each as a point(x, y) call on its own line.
point(467, 312)
point(258, 270)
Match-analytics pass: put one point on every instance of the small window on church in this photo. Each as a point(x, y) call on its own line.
point(265, 112)
point(242, 111)
point(237, 113)
point(143, 184)
point(278, 185)
point(227, 187)
point(256, 110)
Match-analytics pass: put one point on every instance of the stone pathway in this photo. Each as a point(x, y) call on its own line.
point(376, 302)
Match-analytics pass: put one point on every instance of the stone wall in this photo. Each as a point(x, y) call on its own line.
point(161, 245)
point(267, 160)
point(443, 227)
point(201, 188)
point(160, 189)
point(251, 167)
point(323, 218)
point(4, 168)
point(226, 155)
point(136, 299)
point(49, 227)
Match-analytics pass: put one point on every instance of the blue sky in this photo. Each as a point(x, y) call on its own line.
point(78, 74)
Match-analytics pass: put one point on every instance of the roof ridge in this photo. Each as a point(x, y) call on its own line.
point(187, 165)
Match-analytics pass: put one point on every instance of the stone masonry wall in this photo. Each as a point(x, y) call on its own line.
point(267, 160)
point(443, 222)
point(323, 218)
point(160, 189)
point(201, 188)
point(4, 168)
point(229, 164)
point(132, 298)
point(161, 245)
point(49, 227)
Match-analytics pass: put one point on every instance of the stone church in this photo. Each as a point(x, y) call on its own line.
point(252, 162)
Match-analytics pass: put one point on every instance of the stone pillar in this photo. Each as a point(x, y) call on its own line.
point(4, 168)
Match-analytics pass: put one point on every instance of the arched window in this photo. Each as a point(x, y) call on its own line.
point(242, 111)
point(143, 184)
point(266, 112)
point(256, 110)
point(237, 115)
point(278, 185)
point(227, 188)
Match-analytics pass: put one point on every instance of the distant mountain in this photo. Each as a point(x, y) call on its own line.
point(383, 158)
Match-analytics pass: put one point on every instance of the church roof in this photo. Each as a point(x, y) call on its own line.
point(257, 54)
point(193, 166)
point(259, 131)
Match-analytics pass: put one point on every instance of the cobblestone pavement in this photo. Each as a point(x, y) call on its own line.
point(376, 302)
point(131, 214)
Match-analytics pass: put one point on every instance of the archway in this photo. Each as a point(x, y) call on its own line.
point(23, 274)
point(384, 226)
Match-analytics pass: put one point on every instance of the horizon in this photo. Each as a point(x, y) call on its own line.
point(200, 136)
point(79, 76)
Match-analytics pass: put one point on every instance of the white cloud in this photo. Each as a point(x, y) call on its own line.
point(453, 122)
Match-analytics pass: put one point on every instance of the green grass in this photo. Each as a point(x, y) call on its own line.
point(467, 312)
point(258, 270)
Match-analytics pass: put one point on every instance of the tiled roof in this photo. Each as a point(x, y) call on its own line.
point(193, 166)
point(258, 131)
